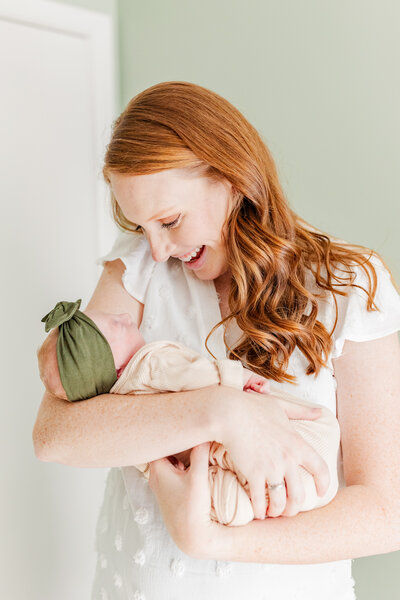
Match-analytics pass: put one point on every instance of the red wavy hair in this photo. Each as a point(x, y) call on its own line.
point(177, 124)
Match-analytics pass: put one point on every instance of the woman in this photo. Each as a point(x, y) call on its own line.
point(209, 240)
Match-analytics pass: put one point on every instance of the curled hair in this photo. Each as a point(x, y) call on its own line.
point(178, 124)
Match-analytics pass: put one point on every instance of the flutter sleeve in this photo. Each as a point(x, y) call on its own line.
point(355, 322)
point(134, 251)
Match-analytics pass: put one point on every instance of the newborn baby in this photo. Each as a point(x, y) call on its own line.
point(95, 352)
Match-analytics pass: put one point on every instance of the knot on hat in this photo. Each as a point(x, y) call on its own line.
point(62, 312)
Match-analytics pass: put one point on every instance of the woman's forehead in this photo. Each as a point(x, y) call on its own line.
point(162, 180)
point(144, 198)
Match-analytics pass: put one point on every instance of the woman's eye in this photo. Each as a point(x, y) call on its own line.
point(164, 225)
point(172, 224)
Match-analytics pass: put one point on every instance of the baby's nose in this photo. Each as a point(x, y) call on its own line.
point(125, 318)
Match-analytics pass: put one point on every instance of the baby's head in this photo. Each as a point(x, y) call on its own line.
point(121, 333)
point(93, 350)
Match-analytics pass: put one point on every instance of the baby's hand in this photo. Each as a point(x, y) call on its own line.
point(256, 383)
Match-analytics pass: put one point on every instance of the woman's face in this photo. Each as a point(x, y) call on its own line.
point(178, 212)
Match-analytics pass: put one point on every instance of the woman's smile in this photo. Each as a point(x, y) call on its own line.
point(196, 259)
point(190, 255)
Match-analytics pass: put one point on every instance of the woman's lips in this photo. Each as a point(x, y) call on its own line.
point(197, 262)
point(190, 254)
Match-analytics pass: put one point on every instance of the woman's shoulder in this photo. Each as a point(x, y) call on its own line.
point(355, 321)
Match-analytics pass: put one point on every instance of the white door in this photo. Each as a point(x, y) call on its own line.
point(56, 108)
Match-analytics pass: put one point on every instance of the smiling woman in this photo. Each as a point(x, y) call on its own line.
point(189, 174)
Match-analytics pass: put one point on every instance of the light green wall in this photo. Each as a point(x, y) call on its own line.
point(320, 82)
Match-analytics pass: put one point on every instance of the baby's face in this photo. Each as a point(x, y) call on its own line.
point(120, 332)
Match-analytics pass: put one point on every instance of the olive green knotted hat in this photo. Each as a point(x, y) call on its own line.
point(84, 356)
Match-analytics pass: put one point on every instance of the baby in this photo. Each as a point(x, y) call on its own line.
point(93, 352)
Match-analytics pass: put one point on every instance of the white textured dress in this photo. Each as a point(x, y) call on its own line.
point(137, 558)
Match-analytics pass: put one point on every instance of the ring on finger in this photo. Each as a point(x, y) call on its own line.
point(276, 486)
point(272, 498)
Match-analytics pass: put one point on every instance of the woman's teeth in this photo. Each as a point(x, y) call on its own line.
point(192, 254)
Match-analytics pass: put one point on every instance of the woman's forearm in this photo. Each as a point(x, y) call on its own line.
point(120, 430)
point(357, 522)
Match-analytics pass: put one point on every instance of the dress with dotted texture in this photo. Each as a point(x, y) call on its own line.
point(137, 558)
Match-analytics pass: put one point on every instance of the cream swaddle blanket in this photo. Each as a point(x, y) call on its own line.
point(165, 366)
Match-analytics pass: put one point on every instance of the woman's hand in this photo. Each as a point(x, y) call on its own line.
point(264, 446)
point(185, 502)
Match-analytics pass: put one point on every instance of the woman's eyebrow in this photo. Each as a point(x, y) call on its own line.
point(167, 212)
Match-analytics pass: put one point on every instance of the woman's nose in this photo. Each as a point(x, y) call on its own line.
point(160, 250)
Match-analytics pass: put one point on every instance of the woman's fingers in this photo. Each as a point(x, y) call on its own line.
point(276, 497)
point(199, 457)
point(286, 500)
point(296, 408)
point(258, 499)
point(318, 468)
point(294, 491)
